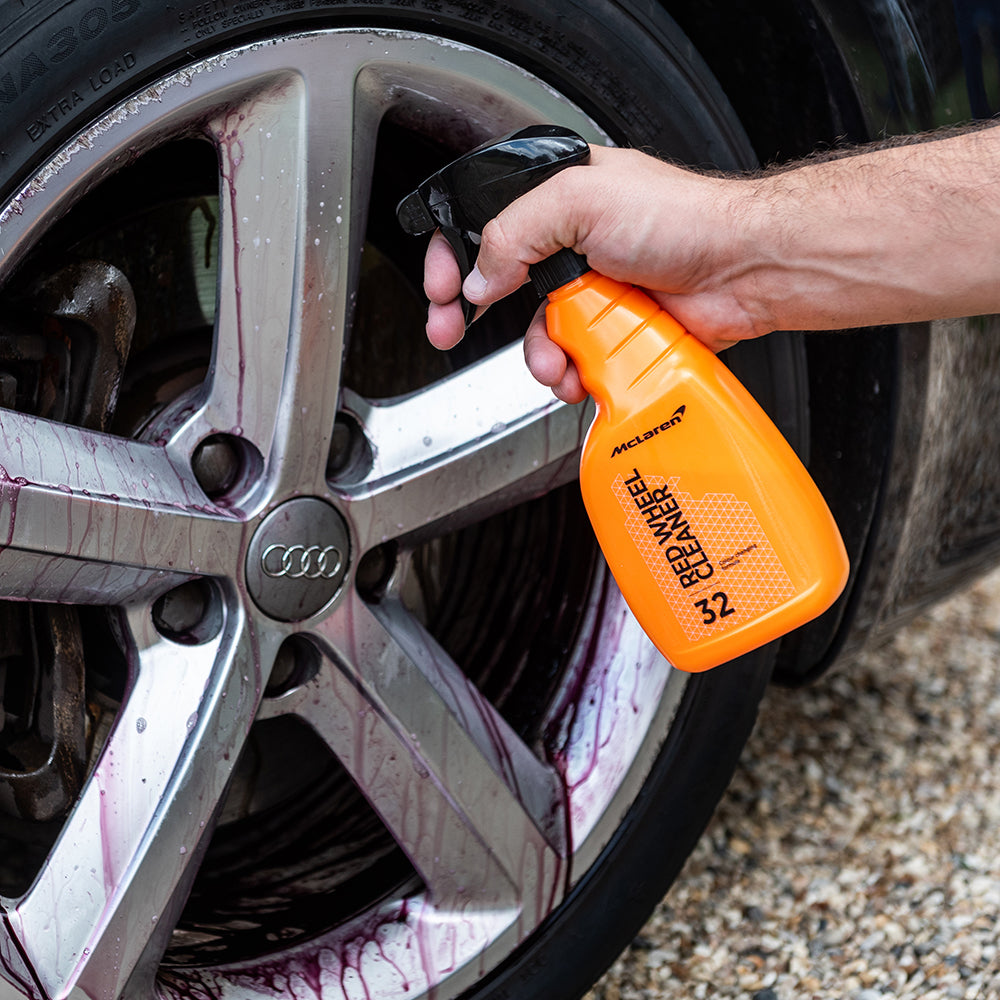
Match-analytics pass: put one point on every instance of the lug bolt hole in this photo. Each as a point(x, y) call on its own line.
point(350, 455)
point(375, 570)
point(296, 664)
point(189, 614)
point(224, 464)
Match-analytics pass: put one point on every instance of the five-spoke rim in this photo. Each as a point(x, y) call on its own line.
point(494, 830)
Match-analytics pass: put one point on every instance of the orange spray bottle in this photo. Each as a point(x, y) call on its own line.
point(716, 534)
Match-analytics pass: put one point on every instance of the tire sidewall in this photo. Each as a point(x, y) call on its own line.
point(64, 63)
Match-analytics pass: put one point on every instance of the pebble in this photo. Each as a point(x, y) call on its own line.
point(856, 854)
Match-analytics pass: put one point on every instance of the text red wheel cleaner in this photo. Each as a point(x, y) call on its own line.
point(716, 534)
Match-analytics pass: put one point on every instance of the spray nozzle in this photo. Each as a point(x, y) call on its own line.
point(464, 195)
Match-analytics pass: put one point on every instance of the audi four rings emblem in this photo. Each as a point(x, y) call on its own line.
point(301, 562)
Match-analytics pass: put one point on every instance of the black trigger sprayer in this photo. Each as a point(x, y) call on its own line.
point(464, 195)
point(716, 534)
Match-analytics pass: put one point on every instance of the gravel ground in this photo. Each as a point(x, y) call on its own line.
point(857, 853)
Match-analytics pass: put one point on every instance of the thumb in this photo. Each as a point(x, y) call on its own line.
point(528, 230)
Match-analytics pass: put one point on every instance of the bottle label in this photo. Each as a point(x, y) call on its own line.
point(709, 557)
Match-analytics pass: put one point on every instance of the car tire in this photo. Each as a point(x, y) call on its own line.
point(73, 75)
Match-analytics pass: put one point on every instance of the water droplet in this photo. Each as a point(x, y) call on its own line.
point(428, 441)
point(140, 725)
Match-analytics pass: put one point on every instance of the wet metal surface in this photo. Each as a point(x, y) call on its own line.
point(194, 552)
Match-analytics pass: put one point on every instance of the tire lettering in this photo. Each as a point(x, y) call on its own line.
point(63, 43)
point(59, 46)
point(93, 23)
point(8, 89)
point(107, 73)
point(52, 115)
point(31, 69)
point(121, 10)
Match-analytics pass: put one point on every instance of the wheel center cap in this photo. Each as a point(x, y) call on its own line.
point(297, 559)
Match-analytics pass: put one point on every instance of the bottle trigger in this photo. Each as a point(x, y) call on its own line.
point(466, 193)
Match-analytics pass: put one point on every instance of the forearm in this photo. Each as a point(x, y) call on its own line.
point(895, 235)
point(900, 234)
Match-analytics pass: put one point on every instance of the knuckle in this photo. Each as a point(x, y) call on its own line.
point(495, 238)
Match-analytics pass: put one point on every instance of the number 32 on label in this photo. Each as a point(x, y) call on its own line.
point(709, 614)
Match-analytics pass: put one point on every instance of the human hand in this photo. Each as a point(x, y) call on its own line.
point(670, 231)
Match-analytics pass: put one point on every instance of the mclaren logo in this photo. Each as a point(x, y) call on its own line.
point(301, 562)
point(674, 418)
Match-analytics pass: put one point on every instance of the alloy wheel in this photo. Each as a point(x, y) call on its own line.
point(271, 543)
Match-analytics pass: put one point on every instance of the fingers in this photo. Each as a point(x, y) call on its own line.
point(446, 321)
point(442, 278)
point(527, 231)
point(442, 284)
point(546, 362)
point(549, 364)
point(445, 324)
point(502, 268)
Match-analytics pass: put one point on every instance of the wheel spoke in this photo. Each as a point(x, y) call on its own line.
point(124, 859)
point(90, 518)
point(295, 159)
point(477, 813)
point(463, 449)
